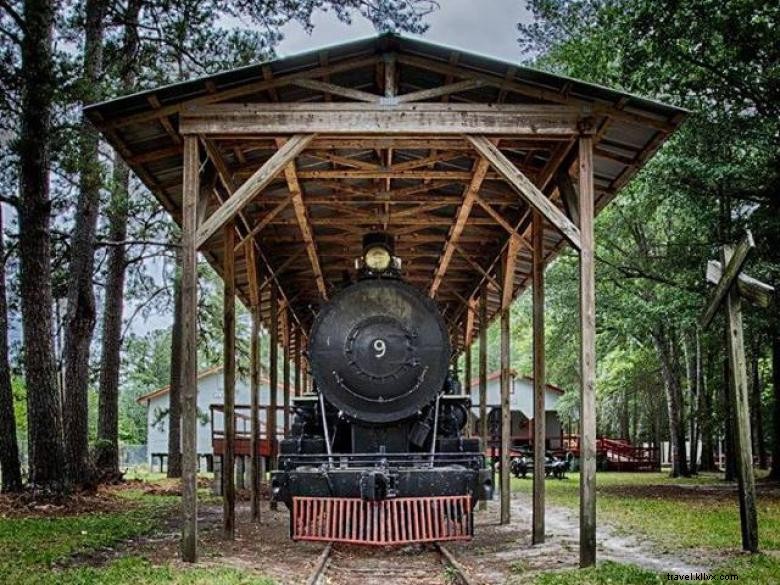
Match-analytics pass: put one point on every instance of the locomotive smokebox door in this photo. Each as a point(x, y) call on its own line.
point(379, 351)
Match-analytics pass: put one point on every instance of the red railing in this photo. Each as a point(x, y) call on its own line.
point(389, 522)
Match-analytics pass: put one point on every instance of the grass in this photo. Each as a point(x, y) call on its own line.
point(626, 501)
point(703, 521)
point(36, 550)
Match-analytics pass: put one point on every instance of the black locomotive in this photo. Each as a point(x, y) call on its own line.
point(386, 419)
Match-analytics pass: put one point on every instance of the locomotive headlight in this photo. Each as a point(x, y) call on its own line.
point(377, 258)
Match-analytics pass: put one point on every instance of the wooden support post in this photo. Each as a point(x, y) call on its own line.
point(297, 365)
point(539, 379)
point(483, 426)
point(587, 357)
point(739, 400)
point(506, 419)
point(467, 378)
point(273, 375)
point(254, 389)
point(286, 370)
point(189, 362)
point(229, 373)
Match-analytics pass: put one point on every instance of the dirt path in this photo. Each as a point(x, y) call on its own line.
point(505, 555)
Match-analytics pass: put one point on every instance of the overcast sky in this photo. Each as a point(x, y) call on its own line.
point(482, 26)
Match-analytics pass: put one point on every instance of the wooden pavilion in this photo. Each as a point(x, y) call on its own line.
point(482, 170)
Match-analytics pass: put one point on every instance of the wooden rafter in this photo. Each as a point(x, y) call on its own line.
point(480, 170)
point(241, 196)
point(527, 190)
point(302, 217)
point(267, 219)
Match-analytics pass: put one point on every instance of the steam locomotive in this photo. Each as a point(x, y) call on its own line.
point(377, 453)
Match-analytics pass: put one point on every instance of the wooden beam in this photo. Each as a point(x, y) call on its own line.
point(333, 89)
point(501, 221)
point(473, 263)
point(540, 413)
point(273, 376)
point(587, 357)
point(254, 390)
point(483, 426)
point(508, 280)
point(729, 277)
point(297, 362)
point(302, 217)
point(434, 92)
point(442, 175)
point(739, 399)
point(229, 374)
point(569, 196)
point(189, 375)
point(286, 371)
point(757, 292)
point(252, 187)
point(506, 412)
point(480, 170)
point(526, 189)
point(263, 223)
point(355, 118)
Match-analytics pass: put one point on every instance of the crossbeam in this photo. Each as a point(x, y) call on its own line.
point(252, 187)
point(733, 269)
point(359, 118)
point(526, 189)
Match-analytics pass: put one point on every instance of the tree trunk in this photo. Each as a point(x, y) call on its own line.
point(10, 468)
point(775, 473)
point(758, 417)
point(705, 423)
point(107, 448)
point(81, 314)
point(692, 373)
point(46, 455)
point(107, 452)
point(730, 472)
point(174, 394)
point(663, 348)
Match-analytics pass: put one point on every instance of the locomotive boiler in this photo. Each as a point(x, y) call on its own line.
point(377, 453)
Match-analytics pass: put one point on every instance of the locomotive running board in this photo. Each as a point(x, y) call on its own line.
point(389, 522)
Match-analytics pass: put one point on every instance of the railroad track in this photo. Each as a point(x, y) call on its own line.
point(419, 565)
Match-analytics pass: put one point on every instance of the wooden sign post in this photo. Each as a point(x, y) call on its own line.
point(732, 285)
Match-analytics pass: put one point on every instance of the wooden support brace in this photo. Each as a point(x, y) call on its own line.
point(252, 186)
point(526, 189)
point(189, 376)
point(483, 326)
point(757, 292)
point(733, 269)
point(229, 373)
point(540, 436)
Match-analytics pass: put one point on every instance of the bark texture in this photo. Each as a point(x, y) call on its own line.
point(10, 468)
point(107, 452)
point(664, 346)
point(81, 314)
point(45, 450)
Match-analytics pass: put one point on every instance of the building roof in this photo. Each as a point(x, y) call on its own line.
point(512, 372)
point(412, 186)
point(201, 375)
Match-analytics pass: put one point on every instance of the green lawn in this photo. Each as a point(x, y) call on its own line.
point(653, 506)
point(36, 550)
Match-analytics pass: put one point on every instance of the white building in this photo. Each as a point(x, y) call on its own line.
point(210, 394)
point(521, 402)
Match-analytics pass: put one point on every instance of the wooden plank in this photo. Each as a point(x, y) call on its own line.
point(354, 118)
point(333, 89)
point(501, 221)
point(508, 272)
point(286, 371)
point(506, 420)
point(526, 189)
point(473, 263)
point(329, 174)
point(480, 169)
point(302, 217)
point(757, 292)
point(729, 277)
point(254, 390)
point(189, 375)
point(273, 376)
point(434, 92)
point(587, 358)
point(540, 380)
point(229, 374)
point(263, 223)
point(739, 399)
point(252, 187)
point(483, 327)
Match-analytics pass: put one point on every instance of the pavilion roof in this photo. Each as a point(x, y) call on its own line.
point(412, 186)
